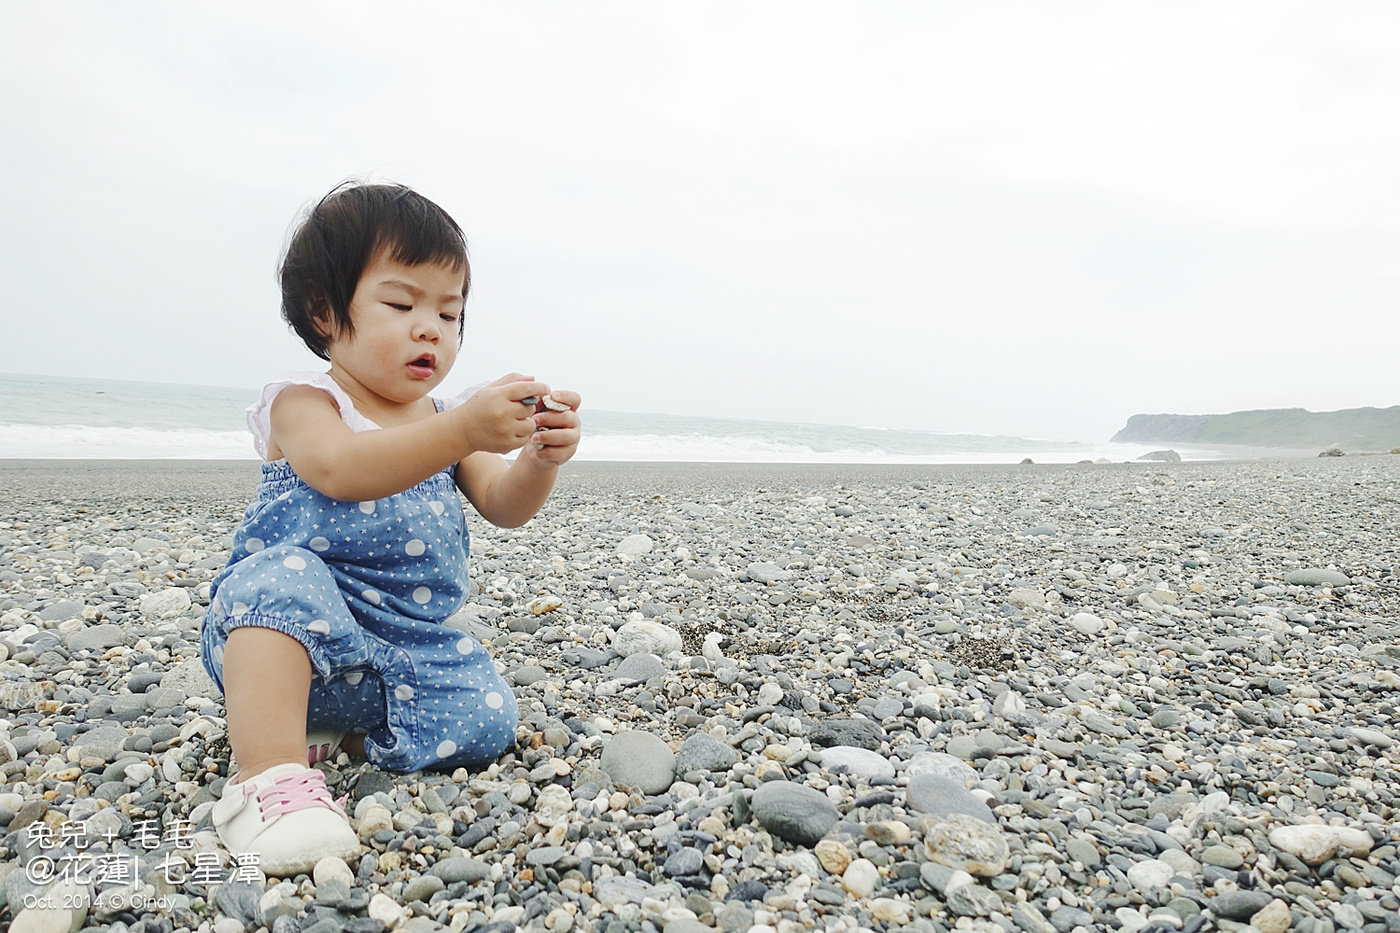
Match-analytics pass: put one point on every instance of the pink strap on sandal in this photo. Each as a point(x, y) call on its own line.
point(292, 792)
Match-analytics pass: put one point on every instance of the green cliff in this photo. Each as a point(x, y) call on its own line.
point(1351, 428)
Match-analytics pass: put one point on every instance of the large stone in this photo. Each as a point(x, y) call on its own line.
point(1315, 843)
point(189, 675)
point(862, 733)
point(640, 667)
point(103, 741)
point(794, 812)
point(634, 546)
point(61, 611)
point(170, 599)
point(646, 637)
point(941, 764)
point(942, 797)
point(1316, 576)
point(96, 638)
point(1025, 597)
point(1275, 917)
point(42, 920)
point(860, 762)
point(1150, 874)
point(640, 759)
point(1239, 905)
point(704, 752)
point(966, 843)
point(453, 870)
point(767, 572)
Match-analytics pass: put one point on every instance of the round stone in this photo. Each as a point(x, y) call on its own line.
point(860, 762)
point(646, 637)
point(641, 667)
point(941, 797)
point(641, 760)
point(703, 752)
point(794, 812)
point(1150, 874)
point(684, 861)
point(1316, 576)
point(634, 545)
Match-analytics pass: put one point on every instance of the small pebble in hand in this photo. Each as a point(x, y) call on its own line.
point(552, 405)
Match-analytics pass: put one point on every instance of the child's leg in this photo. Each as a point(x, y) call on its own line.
point(267, 677)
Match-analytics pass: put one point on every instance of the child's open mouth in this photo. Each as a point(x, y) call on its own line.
point(423, 366)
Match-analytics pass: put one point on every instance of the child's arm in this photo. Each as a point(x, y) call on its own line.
point(349, 465)
point(509, 494)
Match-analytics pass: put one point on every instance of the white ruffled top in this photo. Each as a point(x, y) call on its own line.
point(259, 414)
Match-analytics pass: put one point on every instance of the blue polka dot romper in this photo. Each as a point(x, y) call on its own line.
point(365, 587)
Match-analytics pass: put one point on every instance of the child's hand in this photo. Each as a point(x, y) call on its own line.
point(556, 439)
point(496, 421)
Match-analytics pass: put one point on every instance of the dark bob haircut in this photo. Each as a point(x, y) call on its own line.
point(342, 234)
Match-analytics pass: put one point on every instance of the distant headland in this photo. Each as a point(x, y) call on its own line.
point(1350, 428)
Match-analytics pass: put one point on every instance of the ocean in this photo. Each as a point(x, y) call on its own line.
point(57, 417)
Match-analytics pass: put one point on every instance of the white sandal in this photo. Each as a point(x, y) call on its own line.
point(323, 746)
point(287, 817)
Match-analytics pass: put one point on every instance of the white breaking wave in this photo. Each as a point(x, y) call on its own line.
point(698, 448)
point(84, 442)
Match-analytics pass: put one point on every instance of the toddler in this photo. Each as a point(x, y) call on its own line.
point(329, 615)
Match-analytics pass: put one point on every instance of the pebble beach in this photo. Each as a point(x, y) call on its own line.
point(769, 698)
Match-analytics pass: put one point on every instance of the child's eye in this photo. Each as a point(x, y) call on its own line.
point(450, 318)
point(397, 307)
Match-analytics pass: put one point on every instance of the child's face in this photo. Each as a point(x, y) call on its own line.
point(406, 320)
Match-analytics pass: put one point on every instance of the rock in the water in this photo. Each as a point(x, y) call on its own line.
point(1316, 576)
point(942, 797)
point(1162, 456)
point(795, 812)
point(966, 843)
point(640, 759)
point(646, 637)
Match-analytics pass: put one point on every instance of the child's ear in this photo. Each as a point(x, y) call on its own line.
point(322, 318)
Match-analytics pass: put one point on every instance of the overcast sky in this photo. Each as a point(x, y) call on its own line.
point(1025, 218)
